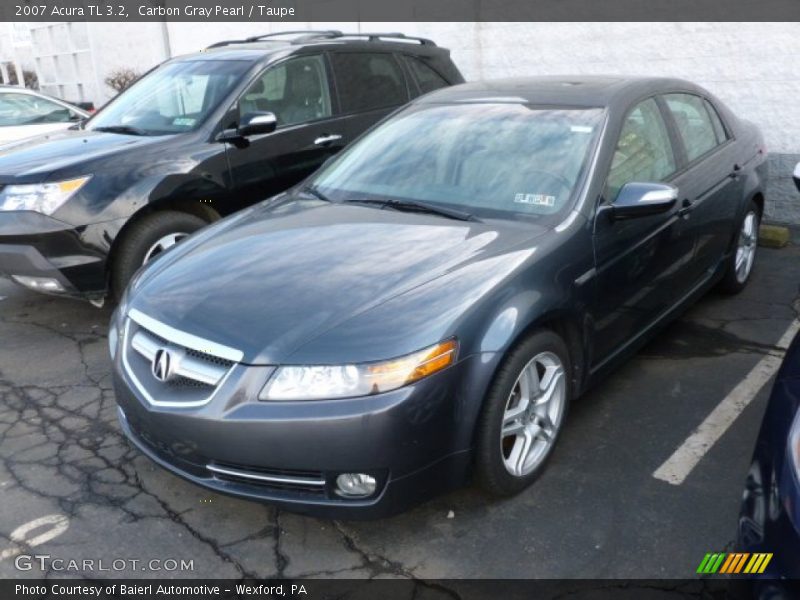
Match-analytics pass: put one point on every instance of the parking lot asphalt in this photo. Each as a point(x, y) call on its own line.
point(72, 488)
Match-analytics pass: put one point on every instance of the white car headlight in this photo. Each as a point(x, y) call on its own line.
point(348, 381)
point(43, 198)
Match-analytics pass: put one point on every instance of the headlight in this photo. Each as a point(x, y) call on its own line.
point(43, 198)
point(348, 381)
point(113, 337)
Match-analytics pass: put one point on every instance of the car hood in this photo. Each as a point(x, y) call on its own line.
point(35, 159)
point(271, 282)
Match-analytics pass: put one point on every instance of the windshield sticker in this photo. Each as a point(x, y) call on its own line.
point(183, 121)
point(581, 129)
point(535, 199)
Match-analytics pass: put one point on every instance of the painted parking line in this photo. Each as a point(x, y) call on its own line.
point(678, 466)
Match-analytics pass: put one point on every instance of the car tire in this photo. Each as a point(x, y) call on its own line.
point(146, 238)
point(740, 263)
point(501, 466)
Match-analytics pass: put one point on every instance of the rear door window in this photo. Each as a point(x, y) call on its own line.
point(694, 124)
point(719, 128)
point(368, 80)
point(426, 77)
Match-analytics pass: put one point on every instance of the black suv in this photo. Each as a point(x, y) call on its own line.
point(195, 139)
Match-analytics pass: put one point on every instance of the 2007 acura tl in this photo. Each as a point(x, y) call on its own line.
point(425, 307)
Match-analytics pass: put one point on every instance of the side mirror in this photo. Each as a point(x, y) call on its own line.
point(257, 123)
point(797, 176)
point(643, 199)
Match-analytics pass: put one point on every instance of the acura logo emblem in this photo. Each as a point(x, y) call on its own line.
point(163, 365)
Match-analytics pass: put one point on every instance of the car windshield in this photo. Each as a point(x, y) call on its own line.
point(29, 109)
point(492, 160)
point(172, 99)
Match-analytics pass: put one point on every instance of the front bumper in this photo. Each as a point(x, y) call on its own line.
point(414, 441)
point(36, 245)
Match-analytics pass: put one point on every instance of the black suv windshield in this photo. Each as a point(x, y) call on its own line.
point(172, 99)
point(493, 160)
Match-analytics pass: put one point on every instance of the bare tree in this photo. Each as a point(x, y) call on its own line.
point(121, 79)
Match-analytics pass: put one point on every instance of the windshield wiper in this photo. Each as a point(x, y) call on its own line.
point(310, 189)
point(417, 206)
point(124, 129)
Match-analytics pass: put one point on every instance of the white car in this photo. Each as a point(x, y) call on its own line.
point(25, 113)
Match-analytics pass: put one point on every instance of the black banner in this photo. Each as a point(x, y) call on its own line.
point(376, 589)
point(400, 10)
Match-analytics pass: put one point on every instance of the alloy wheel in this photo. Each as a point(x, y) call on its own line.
point(746, 247)
point(533, 414)
point(163, 244)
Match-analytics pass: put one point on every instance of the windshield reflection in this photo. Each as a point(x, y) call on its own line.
point(497, 159)
point(174, 98)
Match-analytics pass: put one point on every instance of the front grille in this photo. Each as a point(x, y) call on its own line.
point(305, 482)
point(170, 367)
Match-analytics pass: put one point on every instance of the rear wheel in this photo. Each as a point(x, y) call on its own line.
point(740, 263)
point(523, 414)
point(145, 240)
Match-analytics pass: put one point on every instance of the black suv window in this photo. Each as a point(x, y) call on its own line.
point(367, 81)
point(427, 79)
point(295, 90)
point(694, 124)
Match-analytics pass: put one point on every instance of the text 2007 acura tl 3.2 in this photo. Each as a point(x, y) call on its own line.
point(425, 307)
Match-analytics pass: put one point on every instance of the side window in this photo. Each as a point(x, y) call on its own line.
point(367, 81)
point(694, 124)
point(644, 152)
point(296, 91)
point(427, 79)
point(716, 122)
point(27, 109)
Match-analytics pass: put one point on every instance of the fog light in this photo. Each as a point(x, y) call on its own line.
point(39, 284)
point(355, 485)
point(113, 337)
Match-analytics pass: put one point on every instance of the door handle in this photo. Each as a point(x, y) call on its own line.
point(325, 140)
point(686, 208)
point(735, 173)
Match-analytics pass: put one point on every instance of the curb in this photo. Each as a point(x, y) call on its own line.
point(773, 236)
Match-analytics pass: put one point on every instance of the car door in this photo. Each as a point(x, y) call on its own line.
point(369, 86)
point(308, 130)
point(709, 184)
point(636, 259)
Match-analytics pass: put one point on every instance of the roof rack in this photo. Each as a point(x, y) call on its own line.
point(372, 37)
point(311, 35)
point(265, 37)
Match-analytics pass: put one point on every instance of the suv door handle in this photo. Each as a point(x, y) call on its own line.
point(324, 140)
point(686, 208)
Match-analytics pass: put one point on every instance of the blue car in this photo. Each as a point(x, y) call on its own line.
point(770, 517)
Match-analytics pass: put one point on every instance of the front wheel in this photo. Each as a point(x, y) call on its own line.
point(740, 262)
point(153, 234)
point(523, 414)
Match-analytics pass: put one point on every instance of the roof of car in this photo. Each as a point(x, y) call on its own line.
point(579, 90)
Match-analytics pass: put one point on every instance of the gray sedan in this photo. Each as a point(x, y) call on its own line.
point(424, 308)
